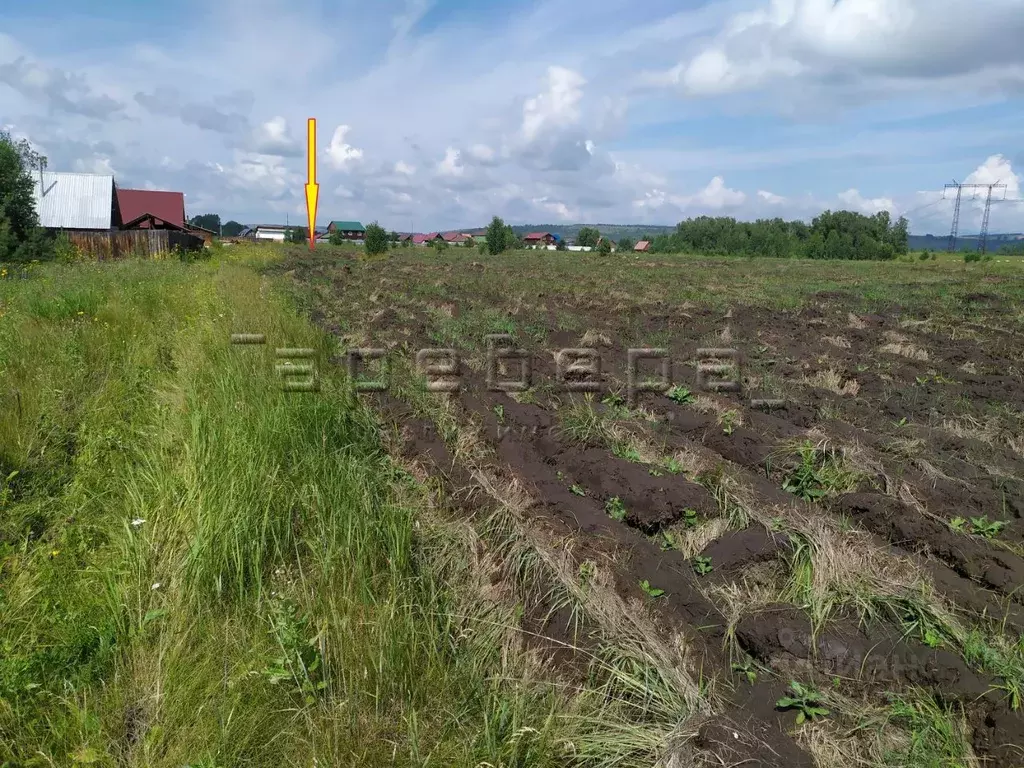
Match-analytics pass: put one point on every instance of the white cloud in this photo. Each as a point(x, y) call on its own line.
point(273, 138)
point(997, 170)
point(558, 106)
point(452, 163)
point(770, 197)
point(341, 154)
point(404, 168)
point(854, 201)
point(100, 165)
point(841, 44)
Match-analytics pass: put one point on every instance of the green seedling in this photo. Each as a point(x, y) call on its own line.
point(499, 411)
point(702, 565)
point(651, 592)
point(668, 541)
point(979, 526)
point(729, 422)
point(922, 379)
point(627, 452)
point(932, 638)
point(816, 476)
point(578, 489)
point(982, 526)
point(615, 508)
point(613, 399)
point(681, 395)
point(587, 570)
point(805, 700)
point(655, 472)
point(674, 466)
point(901, 423)
point(690, 518)
point(747, 670)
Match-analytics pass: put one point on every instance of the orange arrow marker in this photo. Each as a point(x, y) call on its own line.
point(312, 188)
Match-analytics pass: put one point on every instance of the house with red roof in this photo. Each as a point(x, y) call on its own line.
point(642, 246)
point(151, 209)
point(535, 239)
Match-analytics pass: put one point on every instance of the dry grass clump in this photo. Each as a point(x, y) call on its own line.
point(832, 380)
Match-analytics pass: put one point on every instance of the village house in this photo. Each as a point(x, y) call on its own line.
point(151, 209)
point(540, 239)
point(348, 230)
point(642, 246)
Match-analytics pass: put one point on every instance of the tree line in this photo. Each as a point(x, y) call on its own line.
point(831, 235)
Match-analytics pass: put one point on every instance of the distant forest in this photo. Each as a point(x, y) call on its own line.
point(776, 237)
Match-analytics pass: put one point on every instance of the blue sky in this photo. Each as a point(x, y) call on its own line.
point(437, 114)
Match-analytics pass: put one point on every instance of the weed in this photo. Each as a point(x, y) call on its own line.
point(650, 591)
point(668, 541)
point(674, 466)
point(681, 395)
point(499, 411)
point(627, 452)
point(615, 508)
point(747, 670)
point(655, 472)
point(578, 489)
point(979, 526)
point(806, 700)
point(702, 565)
point(728, 421)
point(690, 518)
point(819, 474)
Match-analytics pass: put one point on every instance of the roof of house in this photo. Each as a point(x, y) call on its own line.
point(643, 245)
point(537, 235)
point(169, 206)
point(455, 237)
point(270, 226)
point(156, 221)
point(73, 200)
point(351, 226)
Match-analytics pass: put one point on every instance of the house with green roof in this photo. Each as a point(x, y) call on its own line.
point(349, 230)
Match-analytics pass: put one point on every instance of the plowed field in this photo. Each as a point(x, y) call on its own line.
point(829, 559)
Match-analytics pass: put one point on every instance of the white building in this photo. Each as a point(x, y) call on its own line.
point(273, 232)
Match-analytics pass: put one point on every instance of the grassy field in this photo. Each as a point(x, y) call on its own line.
point(201, 569)
point(198, 568)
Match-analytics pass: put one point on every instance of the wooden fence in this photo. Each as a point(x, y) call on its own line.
point(138, 243)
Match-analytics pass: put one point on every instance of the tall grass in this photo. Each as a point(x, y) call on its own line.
point(199, 568)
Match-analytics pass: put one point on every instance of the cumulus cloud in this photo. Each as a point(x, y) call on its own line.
point(273, 138)
point(451, 165)
point(841, 43)
point(404, 168)
point(853, 200)
point(341, 154)
point(770, 197)
point(557, 106)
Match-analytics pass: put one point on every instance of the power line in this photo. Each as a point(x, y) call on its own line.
point(954, 230)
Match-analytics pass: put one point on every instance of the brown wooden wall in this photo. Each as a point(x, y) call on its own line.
point(139, 243)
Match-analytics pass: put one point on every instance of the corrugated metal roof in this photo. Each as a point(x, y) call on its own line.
point(74, 200)
point(349, 226)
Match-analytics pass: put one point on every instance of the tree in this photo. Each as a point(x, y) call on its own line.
point(438, 244)
point(210, 221)
point(21, 239)
point(561, 246)
point(376, 239)
point(232, 229)
point(626, 244)
point(498, 239)
point(588, 236)
point(296, 235)
point(605, 246)
point(393, 237)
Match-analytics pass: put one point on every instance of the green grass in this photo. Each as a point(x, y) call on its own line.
point(201, 569)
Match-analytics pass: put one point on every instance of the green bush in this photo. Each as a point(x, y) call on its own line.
point(376, 239)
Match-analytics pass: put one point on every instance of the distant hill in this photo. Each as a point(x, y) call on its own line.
point(941, 242)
